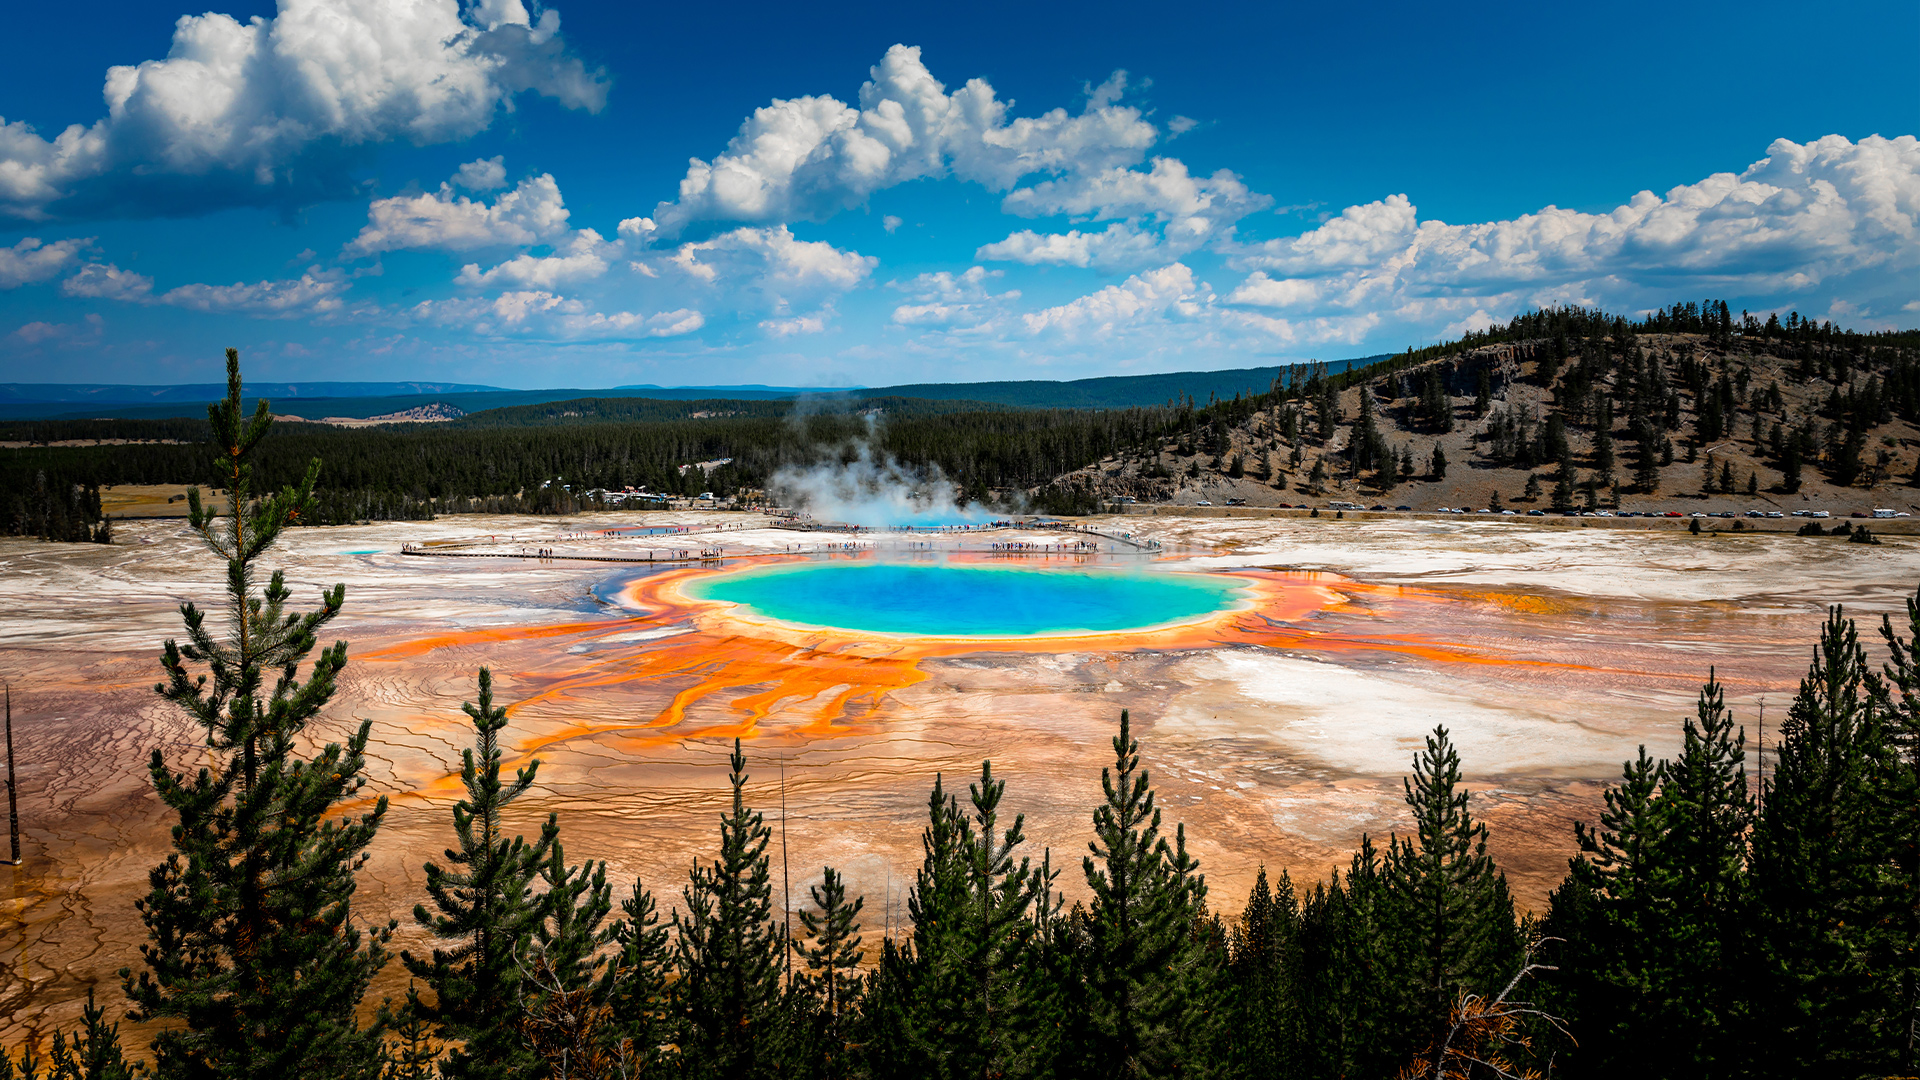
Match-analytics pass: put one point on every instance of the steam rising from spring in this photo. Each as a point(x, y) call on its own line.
point(873, 489)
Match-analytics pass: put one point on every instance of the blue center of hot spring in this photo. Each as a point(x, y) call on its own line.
point(967, 601)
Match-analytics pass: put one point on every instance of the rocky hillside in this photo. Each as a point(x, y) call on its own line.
point(1571, 410)
point(437, 412)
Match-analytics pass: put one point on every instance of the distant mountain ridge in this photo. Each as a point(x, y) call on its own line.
point(65, 401)
point(350, 407)
point(1111, 391)
point(756, 387)
point(136, 394)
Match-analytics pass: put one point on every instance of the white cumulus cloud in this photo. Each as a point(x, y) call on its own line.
point(1163, 212)
point(533, 212)
point(809, 157)
point(1119, 244)
point(946, 299)
point(1169, 292)
point(31, 261)
point(106, 281)
point(485, 174)
point(317, 293)
point(773, 260)
point(583, 258)
point(313, 293)
point(276, 111)
point(539, 313)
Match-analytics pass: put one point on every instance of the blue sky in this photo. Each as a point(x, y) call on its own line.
point(596, 194)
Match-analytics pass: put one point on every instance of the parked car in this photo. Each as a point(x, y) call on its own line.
point(1403, 508)
point(1203, 502)
point(1775, 514)
point(1818, 514)
point(1236, 502)
point(1536, 513)
point(1673, 513)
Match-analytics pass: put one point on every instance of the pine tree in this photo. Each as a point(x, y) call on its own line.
point(997, 935)
point(411, 1050)
point(636, 986)
point(565, 1018)
point(1822, 860)
point(1705, 815)
point(28, 1066)
point(484, 902)
point(832, 977)
point(253, 953)
point(1654, 915)
point(729, 950)
point(1265, 1019)
point(1145, 977)
point(1791, 464)
point(1449, 907)
point(1363, 449)
point(93, 1052)
point(1900, 804)
point(1349, 975)
point(971, 1013)
point(916, 1002)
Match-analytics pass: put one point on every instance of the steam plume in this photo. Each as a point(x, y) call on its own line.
point(874, 490)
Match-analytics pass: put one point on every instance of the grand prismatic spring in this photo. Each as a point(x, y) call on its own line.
point(1281, 672)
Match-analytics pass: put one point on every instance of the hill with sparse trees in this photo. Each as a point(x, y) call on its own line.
point(1564, 408)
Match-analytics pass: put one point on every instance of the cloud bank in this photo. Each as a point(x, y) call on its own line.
point(276, 111)
point(1803, 216)
point(807, 158)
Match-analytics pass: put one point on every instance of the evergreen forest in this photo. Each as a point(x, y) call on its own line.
point(1626, 397)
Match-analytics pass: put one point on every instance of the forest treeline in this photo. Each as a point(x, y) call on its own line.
point(1708, 926)
point(532, 466)
point(1619, 412)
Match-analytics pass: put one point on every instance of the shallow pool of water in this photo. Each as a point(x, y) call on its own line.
point(968, 601)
